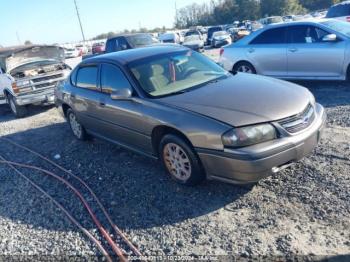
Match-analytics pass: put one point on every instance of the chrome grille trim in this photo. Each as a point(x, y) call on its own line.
point(299, 122)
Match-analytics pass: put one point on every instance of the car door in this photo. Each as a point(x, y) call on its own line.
point(86, 97)
point(311, 57)
point(268, 52)
point(124, 119)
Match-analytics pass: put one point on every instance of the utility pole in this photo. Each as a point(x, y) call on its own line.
point(18, 39)
point(81, 26)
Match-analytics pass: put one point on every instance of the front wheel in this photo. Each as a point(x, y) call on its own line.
point(181, 162)
point(17, 110)
point(77, 129)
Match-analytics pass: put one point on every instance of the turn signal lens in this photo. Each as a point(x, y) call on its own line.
point(15, 88)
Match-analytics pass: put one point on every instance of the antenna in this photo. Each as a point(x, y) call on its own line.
point(81, 26)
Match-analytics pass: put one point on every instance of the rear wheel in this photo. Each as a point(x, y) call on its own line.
point(77, 129)
point(17, 110)
point(244, 67)
point(181, 162)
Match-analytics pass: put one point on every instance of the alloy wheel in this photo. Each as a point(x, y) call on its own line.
point(177, 161)
point(76, 127)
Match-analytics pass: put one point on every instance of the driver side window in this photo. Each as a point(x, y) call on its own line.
point(306, 34)
point(112, 79)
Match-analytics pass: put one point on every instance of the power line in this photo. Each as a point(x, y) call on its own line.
point(81, 26)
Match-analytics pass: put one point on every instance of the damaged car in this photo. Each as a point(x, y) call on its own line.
point(29, 75)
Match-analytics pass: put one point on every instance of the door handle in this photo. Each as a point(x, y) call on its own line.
point(102, 104)
point(251, 50)
point(72, 95)
point(293, 50)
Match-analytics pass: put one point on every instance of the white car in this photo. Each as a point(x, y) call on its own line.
point(340, 11)
point(82, 48)
point(72, 53)
point(28, 75)
point(221, 38)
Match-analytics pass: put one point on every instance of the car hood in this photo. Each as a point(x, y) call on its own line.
point(222, 37)
point(33, 54)
point(244, 99)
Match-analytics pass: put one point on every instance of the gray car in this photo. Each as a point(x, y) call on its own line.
point(298, 50)
point(174, 104)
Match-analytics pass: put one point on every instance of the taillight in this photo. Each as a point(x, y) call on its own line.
point(15, 88)
point(348, 18)
point(221, 51)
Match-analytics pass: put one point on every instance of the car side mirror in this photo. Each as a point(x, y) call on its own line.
point(330, 38)
point(124, 93)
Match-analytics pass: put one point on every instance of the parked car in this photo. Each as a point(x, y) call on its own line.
point(340, 11)
point(170, 37)
point(171, 103)
point(71, 53)
point(211, 31)
point(29, 74)
point(288, 18)
point(98, 48)
point(239, 33)
point(82, 48)
point(194, 42)
point(297, 50)
point(271, 20)
point(193, 32)
point(221, 38)
point(128, 41)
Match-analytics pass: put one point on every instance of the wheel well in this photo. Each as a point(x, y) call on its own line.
point(160, 131)
point(65, 108)
point(242, 61)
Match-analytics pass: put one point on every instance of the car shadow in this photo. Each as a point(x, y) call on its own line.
point(136, 190)
point(32, 110)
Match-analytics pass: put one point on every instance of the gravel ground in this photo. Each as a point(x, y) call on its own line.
point(301, 211)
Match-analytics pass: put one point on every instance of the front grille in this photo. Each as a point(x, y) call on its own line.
point(46, 78)
point(299, 122)
point(44, 85)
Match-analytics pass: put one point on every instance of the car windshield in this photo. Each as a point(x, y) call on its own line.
point(175, 73)
point(339, 26)
point(140, 40)
point(220, 33)
point(192, 38)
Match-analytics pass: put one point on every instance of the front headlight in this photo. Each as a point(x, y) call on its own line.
point(22, 83)
point(249, 135)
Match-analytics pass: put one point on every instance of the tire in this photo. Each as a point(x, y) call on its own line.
point(189, 171)
point(244, 67)
point(77, 129)
point(17, 110)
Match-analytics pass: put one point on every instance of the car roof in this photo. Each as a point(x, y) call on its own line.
point(128, 56)
point(126, 35)
point(341, 3)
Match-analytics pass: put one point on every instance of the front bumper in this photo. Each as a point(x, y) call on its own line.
point(250, 164)
point(44, 97)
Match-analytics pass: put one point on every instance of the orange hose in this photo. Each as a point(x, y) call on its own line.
point(64, 210)
point(113, 245)
point(114, 226)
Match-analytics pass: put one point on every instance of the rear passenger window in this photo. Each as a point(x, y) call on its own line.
point(112, 78)
point(87, 77)
point(271, 36)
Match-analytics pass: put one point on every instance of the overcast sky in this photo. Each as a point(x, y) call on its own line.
point(55, 21)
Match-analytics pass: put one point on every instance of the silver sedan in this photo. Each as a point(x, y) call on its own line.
point(315, 50)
